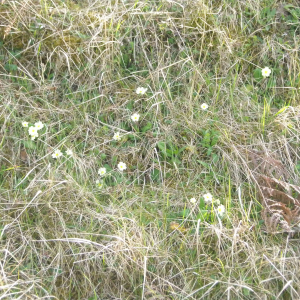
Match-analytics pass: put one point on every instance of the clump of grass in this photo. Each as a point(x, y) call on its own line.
point(166, 97)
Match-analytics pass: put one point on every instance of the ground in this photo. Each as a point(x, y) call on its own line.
point(142, 181)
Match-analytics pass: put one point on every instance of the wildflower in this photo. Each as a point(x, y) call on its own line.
point(116, 136)
point(34, 136)
point(32, 131)
point(69, 152)
point(265, 72)
point(135, 117)
point(38, 125)
point(221, 210)
point(204, 106)
point(25, 124)
point(99, 183)
point(122, 166)
point(141, 90)
point(217, 202)
point(57, 153)
point(207, 198)
point(193, 200)
point(102, 171)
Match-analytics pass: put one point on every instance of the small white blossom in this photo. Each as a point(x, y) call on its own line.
point(57, 153)
point(69, 152)
point(34, 136)
point(265, 72)
point(193, 200)
point(204, 106)
point(141, 90)
point(102, 171)
point(38, 125)
point(99, 183)
point(221, 210)
point(135, 117)
point(32, 131)
point(25, 124)
point(116, 136)
point(122, 166)
point(207, 198)
point(217, 202)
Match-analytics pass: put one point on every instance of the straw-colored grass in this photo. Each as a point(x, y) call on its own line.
point(75, 66)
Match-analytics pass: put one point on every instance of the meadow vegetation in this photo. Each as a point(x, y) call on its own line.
point(120, 192)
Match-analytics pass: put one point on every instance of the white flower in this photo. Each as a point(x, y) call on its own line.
point(207, 198)
point(116, 136)
point(217, 202)
point(34, 136)
point(204, 106)
point(25, 124)
point(32, 131)
point(122, 166)
point(38, 125)
point(135, 117)
point(57, 153)
point(99, 183)
point(221, 210)
point(193, 200)
point(102, 171)
point(265, 72)
point(141, 90)
point(69, 152)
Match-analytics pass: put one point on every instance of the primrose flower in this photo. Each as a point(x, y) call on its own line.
point(116, 136)
point(32, 131)
point(207, 198)
point(69, 152)
point(122, 166)
point(102, 171)
point(221, 210)
point(193, 200)
point(57, 153)
point(141, 90)
point(34, 136)
point(25, 124)
point(99, 183)
point(217, 202)
point(135, 117)
point(204, 106)
point(265, 72)
point(39, 125)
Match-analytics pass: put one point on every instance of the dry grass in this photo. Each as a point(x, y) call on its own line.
point(75, 66)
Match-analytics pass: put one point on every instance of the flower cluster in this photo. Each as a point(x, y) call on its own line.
point(135, 117)
point(33, 130)
point(220, 210)
point(217, 206)
point(102, 172)
point(57, 153)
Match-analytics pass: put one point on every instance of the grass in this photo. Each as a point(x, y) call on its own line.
point(75, 66)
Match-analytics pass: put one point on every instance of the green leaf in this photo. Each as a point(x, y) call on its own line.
point(246, 292)
point(147, 127)
point(154, 175)
point(11, 67)
point(29, 144)
point(185, 212)
point(204, 164)
point(163, 147)
point(257, 74)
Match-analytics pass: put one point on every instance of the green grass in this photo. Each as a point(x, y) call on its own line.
point(75, 66)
